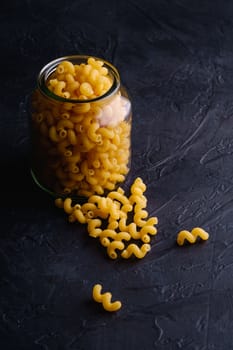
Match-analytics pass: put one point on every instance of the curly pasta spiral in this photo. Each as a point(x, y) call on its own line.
point(105, 299)
point(192, 236)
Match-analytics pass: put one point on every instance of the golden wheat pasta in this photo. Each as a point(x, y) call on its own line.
point(82, 108)
point(139, 216)
point(109, 185)
point(112, 225)
point(93, 76)
point(132, 229)
point(53, 83)
point(76, 118)
point(90, 215)
point(69, 78)
point(86, 143)
point(93, 227)
point(62, 148)
point(107, 133)
point(138, 187)
point(120, 236)
point(147, 229)
point(53, 135)
point(79, 216)
point(65, 115)
point(98, 189)
point(59, 87)
point(87, 121)
point(126, 208)
point(65, 67)
point(66, 94)
point(86, 89)
point(105, 235)
point(73, 168)
point(105, 162)
point(122, 224)
point(95, 63)
point(114, 212)
point(119, 197)
point(72, 137)
point(153, 220)
point(105, 299)
point(115, 177)
point(112, 247)
point(88, 206)
point(192, 236)
point(104, 147)
point(67, 190)
point(76, 176)
point(103, 176)
point(65, 124)
point(84, 168)
point(62, 133)
point(75, 158)
point(91, 179)
point(133, 249)
point(91, 132)
point(68, 205)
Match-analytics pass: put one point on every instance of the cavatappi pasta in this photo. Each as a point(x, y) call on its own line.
point(105, 299)
point(80, 141)
point(192, 236)
point(120, 223)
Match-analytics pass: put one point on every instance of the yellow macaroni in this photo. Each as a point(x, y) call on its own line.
point(111, 248)
point(192, 236)
point(135, 250)
point(105, 299)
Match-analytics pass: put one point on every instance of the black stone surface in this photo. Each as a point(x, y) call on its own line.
point(176, 60)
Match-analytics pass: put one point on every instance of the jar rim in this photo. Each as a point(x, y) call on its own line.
point(50, 67)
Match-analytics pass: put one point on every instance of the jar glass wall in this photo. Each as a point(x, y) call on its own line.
point(80, 127)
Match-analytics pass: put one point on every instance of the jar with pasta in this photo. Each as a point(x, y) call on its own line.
point(80, 127)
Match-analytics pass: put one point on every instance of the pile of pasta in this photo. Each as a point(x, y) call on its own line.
point(80, 148)
point(108, 218)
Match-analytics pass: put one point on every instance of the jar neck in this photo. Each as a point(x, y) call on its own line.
point(50, 68)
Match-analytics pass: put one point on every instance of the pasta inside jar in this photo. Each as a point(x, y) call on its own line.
point(80, 127)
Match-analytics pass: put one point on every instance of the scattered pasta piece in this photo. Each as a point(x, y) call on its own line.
point(192, 236)
point(105, 299)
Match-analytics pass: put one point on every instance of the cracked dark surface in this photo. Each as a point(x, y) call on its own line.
point(176, 60)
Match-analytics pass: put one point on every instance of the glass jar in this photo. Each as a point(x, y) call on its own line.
point(80, 127)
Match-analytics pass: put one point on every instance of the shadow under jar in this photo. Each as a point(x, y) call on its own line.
point(81, 119)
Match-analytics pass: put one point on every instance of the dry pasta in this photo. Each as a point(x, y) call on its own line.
point(90, 135)
point(133, 249)
point(107, 219)
point(192, 236)
point(105, 299)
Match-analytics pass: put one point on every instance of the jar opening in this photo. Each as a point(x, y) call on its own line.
point(47, 71)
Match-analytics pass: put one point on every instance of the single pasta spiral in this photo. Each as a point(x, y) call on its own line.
point(105, 299)
point(192, 236)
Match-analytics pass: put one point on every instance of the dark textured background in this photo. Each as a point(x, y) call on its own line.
point(176, 60)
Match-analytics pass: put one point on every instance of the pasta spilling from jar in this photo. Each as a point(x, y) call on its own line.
point(80, 130)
